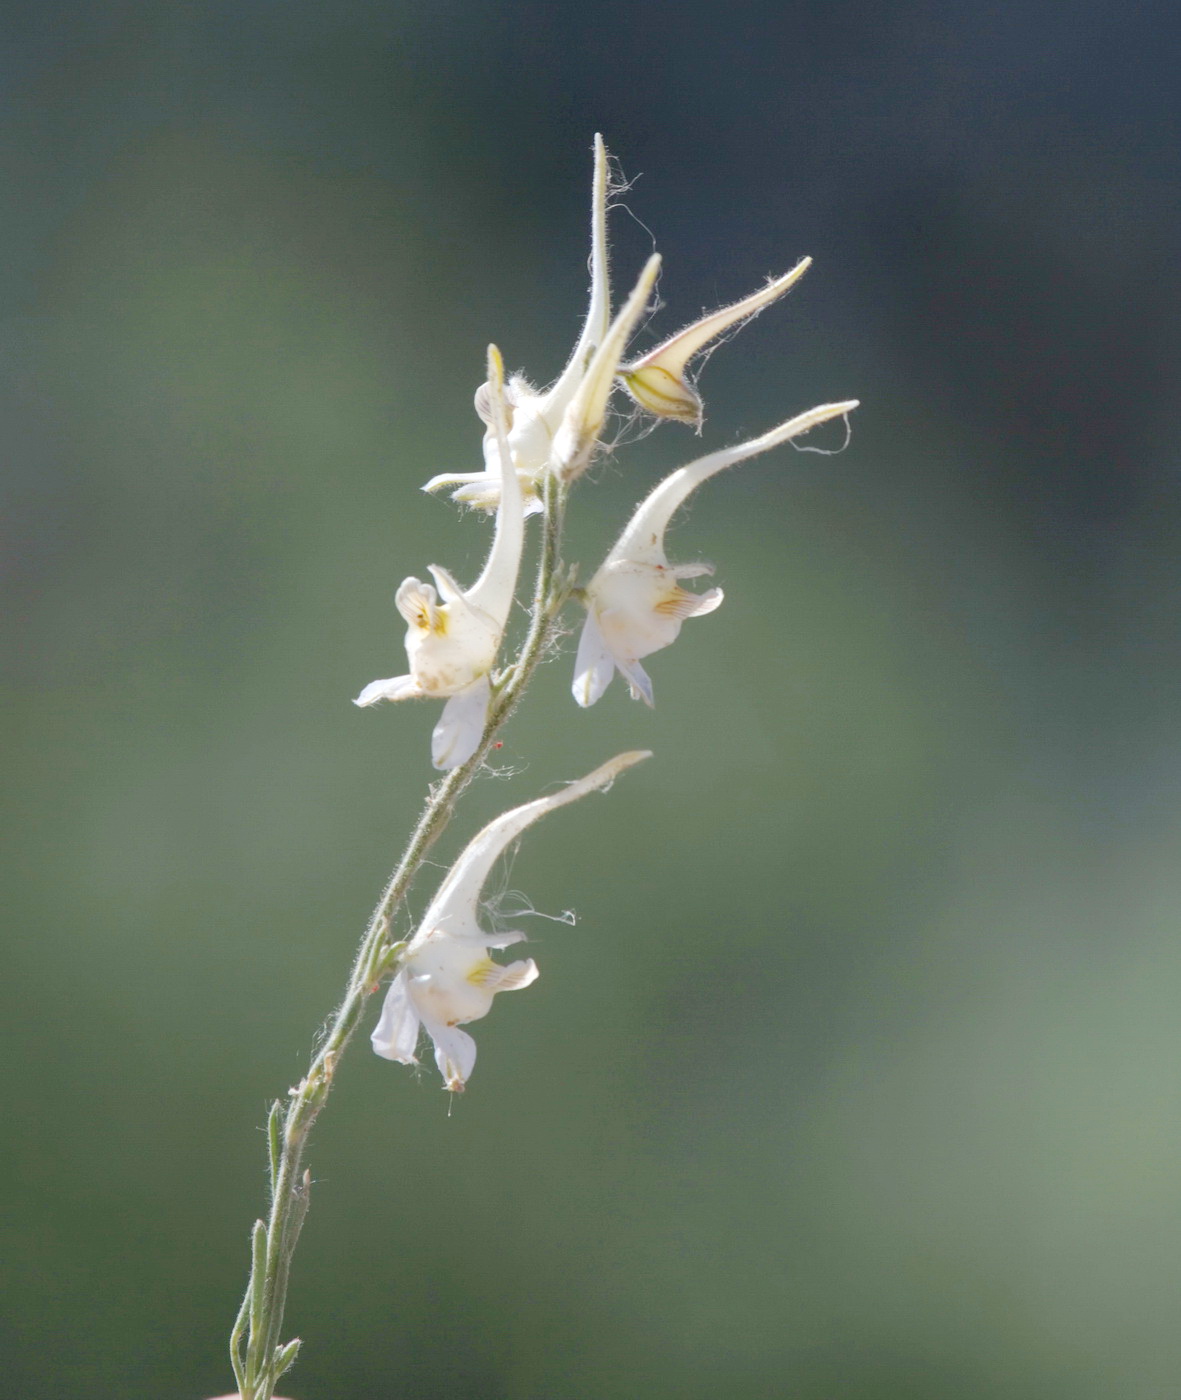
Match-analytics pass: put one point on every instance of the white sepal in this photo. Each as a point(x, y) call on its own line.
point(396, 688)
point(593, 666)
point(396, 1034)
point(465, 716)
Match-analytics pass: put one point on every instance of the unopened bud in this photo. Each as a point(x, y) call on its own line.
point(658, 381)
point(658, 391)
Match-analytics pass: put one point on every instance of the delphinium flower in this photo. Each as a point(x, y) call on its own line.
point(635, 603)
point(445, 977)
point(556, 429)
point(452, 644)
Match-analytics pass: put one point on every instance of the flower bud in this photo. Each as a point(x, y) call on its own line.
point(658, 381)
point(660, 392)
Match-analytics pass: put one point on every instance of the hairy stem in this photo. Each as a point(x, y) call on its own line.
point(258, 1358)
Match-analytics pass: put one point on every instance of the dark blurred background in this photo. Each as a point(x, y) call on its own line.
point(860, 1074)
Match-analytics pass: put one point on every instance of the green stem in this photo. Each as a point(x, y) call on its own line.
point(254, 1342)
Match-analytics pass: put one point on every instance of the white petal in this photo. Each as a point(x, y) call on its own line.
point(417, 602)
point(396, 688)
point(481, 490)
point(486, 497)
point(510, 978)
point(396, 1033)
point(638, 679)
point(698, 570)
point(455, 1054)
point(500, 940)
point(459, 730)
point(436, 483)
point(707, 603)
point(594, 666)
point(688, 604)
point(449, 589)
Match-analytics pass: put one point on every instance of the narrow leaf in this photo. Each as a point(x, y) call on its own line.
point(275, 1140)
point(258, 1273)
point(285, 1356)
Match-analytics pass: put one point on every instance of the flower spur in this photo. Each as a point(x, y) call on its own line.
point(635, 603)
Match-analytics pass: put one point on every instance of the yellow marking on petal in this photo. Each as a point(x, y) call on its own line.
point(676, 603)
point(421, 611)
point(480, 973)
point(429, 618)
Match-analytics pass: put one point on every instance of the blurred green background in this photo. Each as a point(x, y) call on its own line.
point(860, 1074)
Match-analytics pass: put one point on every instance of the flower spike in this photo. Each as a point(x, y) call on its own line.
point(635, 604)
point(658, 382)
point(452, 644)
point(446, 978)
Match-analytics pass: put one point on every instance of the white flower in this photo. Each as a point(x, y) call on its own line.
point(556, 430)
point(452, 634)
point(445, 977)
point(658, 382)
point(635, 604)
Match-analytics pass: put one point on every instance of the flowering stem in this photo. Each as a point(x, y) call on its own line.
point(257, 1356)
